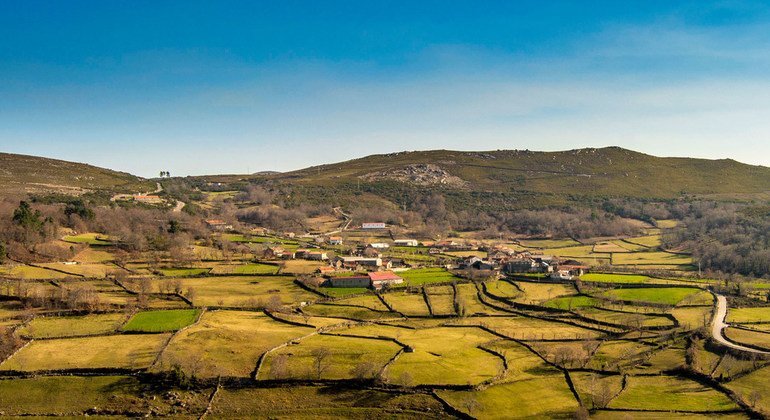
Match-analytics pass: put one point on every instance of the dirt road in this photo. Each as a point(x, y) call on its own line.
point(718, 324)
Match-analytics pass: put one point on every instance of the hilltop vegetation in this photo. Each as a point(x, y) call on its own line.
point(20, 174)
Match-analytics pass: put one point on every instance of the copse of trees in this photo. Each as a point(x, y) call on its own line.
point(724, 238)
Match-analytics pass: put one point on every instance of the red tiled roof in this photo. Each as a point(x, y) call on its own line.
point(383, 275)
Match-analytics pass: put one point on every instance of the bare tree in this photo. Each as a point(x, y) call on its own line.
point(278, 367)
point(321, 360)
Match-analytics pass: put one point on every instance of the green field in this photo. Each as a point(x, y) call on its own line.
point(664, 296)
point(161, 321)
point(420, 276)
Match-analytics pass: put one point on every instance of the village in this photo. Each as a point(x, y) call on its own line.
point(370, 265)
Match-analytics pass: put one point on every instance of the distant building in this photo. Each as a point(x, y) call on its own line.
point(276, 252)
point(325, 270)
point(373, 225)
point(354, 263)
point(384, 279)
point(218, 225)
point(406, 242)
point(316, 256)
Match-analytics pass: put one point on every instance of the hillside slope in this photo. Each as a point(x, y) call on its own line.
point(20, 174)
point(610, 171)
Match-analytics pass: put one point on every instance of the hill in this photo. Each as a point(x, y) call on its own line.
point(523, 178)
point(21, 174)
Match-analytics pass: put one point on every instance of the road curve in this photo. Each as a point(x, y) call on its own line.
point(718, 325)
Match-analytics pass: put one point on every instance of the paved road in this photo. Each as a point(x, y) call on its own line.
point(718, 324)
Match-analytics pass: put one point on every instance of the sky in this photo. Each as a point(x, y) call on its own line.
point(205, 87)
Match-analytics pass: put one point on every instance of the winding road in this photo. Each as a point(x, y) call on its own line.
point(718, 325)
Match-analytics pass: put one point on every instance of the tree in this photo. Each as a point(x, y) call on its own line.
point(278, 368)
point(320, 360)
point(78, 207)
point(363, 370)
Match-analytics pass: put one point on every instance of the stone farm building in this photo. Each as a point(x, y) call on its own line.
point(375, 280)
point(218, 225)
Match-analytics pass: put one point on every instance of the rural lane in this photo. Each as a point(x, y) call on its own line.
point(718, 325)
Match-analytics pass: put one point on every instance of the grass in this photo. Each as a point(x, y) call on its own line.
point(74, 395)
point(752, 338)
point(629, 320)
point(692, 317)
point(161, 321)
point(441, 355)
point(614, 278)
point(183, 272)
point(651, 258)
point(612, 354)
point(441, 300)
point(115, 351)
point(664, 296)
point(739, 315)
point(409, 304)
point(244, 291)
point(323, 402)
point(227, 343)
point(503, 289)
point(302, 266)
point(650, 241)
point(349, 312)
point(420, 276)
point(28, 272)
point(544, 397)
point(540, 292)
point(468, 300)
point(344, 355)
point(368, 300)
point(50, 327)
point(523, 328)
point(591, 385)
point(754, 385)
point(665, 392)
point(344, 291)
point(548, 243)
point(571, 302)
point(522, 363)
point(245, 269)
point(90, 255)
point(92, 239)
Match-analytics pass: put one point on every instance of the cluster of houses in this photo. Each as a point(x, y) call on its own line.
point(522, 262)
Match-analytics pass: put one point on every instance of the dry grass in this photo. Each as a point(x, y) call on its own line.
point(115, 351)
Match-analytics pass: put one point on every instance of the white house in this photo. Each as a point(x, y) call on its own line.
point(373, 225)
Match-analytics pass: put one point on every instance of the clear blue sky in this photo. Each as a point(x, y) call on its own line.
point(198, 87)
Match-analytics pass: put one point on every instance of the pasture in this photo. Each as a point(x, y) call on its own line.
point(161, 321)
point(227, 343)
point(66, 326)
point(115, 351)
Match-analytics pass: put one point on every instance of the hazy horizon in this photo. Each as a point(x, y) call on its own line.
point(254, 86)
